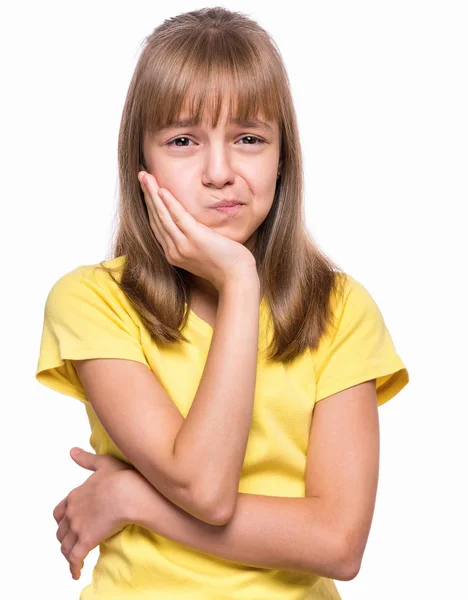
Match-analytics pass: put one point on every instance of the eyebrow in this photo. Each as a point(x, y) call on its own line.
point(249, 123)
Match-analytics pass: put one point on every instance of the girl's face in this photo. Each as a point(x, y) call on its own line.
point(201, 165)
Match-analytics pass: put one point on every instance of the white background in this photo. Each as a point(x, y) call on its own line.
point(380, 90)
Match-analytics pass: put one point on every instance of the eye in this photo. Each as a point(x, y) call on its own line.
point(171, 143)
point(252, 137)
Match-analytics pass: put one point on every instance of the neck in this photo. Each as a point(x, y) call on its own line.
point(201, 287)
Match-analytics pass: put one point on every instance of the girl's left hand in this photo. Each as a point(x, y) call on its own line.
point(90, 513)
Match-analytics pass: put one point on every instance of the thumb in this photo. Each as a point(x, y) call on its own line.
point(85, 459)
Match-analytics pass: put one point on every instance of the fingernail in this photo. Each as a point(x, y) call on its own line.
point(143, 180)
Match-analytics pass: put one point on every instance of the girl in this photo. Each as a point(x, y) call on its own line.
point(232, 329)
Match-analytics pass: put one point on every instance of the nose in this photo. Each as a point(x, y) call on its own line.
point(218, 170)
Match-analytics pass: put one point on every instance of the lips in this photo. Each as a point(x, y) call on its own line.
point(226, 203)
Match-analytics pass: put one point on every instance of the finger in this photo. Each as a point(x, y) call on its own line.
point(68, 542)
point(171, 213)
point(85, 459)
point(148, 193)
point(160, 220)
point(75, 569)
point(75, 564)
point(155, 222)
point(60, 509)
point(157, 227)
point(142, 175)
point(76, 559)
point(63, 529)
point(180, 221)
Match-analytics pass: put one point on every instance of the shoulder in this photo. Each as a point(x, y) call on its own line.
point(92, 289)
point(93, 274)
point(351, 301)
point(352, 310)
point(358, 348)
point(86, 316)
point(90, 281)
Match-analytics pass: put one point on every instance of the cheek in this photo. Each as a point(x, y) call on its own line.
point(184, 192)
point(255, 214)
point(178, 187)
point(263, 202)
point(261, 212)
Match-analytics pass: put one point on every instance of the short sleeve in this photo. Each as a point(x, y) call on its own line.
point(86, 315)
point(360, 348)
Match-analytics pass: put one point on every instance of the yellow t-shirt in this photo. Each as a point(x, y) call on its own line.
point(88, 316)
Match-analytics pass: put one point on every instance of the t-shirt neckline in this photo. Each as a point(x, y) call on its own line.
point(204, 327)
point(200, 324)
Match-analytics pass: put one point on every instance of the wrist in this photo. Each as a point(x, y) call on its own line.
point(131, 493)
point(244, 279)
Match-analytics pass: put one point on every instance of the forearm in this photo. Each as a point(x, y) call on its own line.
point(213, 439)
point(269, 532)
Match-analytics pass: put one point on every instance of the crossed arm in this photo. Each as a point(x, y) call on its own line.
point(325, 532)
point(269, 532)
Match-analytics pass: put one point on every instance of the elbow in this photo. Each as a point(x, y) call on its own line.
point(214, 508)
point(348, 565)
point(346, 571)
point(220, 515)
point(204, 502)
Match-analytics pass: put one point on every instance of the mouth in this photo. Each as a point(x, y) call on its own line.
point(226, 203)
point(228, 208)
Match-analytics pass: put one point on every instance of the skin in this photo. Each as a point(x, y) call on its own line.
point(332, 527)
point(215, 163)
point(85, 517)
point(208, 165)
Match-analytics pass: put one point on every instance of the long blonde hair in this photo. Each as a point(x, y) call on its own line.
point(208, 55)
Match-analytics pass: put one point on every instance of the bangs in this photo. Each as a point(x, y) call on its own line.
point(198, 88)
